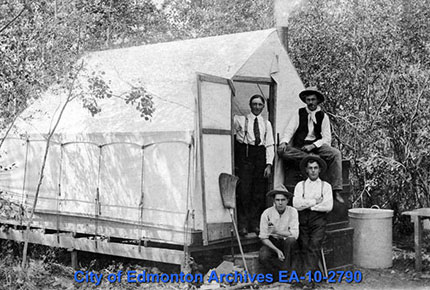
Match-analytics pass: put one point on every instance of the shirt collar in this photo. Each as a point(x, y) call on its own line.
point(274, 210)
point(312, 112)
point(318, 180)
point(251, 117)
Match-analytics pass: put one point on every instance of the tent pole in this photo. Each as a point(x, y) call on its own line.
point(186, 266)
point(202, 168)
point(59, 192)
point(97, 203)
point(27, 145)
point(142, 195)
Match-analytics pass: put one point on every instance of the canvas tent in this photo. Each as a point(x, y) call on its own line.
point(118, 175)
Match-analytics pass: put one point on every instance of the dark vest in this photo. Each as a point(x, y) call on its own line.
point(302, 130)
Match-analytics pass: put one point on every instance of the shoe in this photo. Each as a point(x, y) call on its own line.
point(339, 197)
point(251, 235)
point(296, 285)
point(255, 230)
point(309, 285)
point(243, 232)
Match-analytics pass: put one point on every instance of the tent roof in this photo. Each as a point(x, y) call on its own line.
point(167, 70)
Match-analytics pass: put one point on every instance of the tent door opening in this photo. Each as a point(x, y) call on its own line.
point(219, 99)
point(249, 86)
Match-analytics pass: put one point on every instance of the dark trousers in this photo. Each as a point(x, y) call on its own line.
point(269, 259)
point(311, 235)
point(252, 186)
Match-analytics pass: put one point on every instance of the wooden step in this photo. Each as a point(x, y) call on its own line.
point(251, 259)
point(338, 248)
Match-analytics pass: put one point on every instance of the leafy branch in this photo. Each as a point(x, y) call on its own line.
point(14, 19)
point(137, 96)
point(70, 96)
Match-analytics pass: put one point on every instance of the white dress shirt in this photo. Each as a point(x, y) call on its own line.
point(313, 191)
point(293, 124)
point(273, 223)
point(239, 130)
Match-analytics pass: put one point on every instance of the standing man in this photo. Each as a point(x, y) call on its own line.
point(313, 199)
point(279, 229)
point(309, 131)
point(254, 152)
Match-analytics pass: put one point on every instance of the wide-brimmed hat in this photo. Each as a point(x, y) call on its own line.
point(280, 189)
point(311, 91)
point(313, 157)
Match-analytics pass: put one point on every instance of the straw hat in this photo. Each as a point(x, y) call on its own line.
point(311, 91)
point(313, 157)
point(280, 189)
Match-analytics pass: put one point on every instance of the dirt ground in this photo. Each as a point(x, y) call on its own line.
point(401, 276)
point(49, 269)
point(374, 279)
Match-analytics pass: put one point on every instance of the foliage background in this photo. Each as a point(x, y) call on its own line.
point(40, 41)
point(371, 59)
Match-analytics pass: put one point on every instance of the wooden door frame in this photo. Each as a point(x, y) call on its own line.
point(271, 107)
point(201, 77)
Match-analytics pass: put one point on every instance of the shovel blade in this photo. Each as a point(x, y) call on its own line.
point(227, 187)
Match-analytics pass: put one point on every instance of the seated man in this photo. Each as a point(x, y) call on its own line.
point(313, 199)
point(309, 131)
point(279, 229)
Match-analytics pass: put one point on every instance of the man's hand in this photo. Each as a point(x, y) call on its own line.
point(319, 200)
point(282, 147)
point(281, 235)
point(308, 148)
point(281, 256)
point(268, 171)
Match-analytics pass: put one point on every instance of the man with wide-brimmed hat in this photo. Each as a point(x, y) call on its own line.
point(313, 199)
point(309, 131)
point(279, 229)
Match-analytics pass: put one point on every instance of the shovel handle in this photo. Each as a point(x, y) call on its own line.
point(238, 241)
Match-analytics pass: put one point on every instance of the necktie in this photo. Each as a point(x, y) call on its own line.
point(257, 132)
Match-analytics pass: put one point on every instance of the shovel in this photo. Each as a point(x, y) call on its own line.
point(227, 186)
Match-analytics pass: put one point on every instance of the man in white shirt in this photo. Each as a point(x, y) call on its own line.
point(254, 152)
point(313, 199)
point(279, 229)
point(309, 131)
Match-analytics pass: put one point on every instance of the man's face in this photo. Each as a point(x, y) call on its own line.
point(313, 170)
point(311, 102)
point(280, 202)
point(257, 106)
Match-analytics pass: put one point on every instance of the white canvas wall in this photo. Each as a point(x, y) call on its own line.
point(171, 164)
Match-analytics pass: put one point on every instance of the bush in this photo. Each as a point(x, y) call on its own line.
point(371, 60)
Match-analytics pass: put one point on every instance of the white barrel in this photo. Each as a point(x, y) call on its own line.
point(373, 237)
